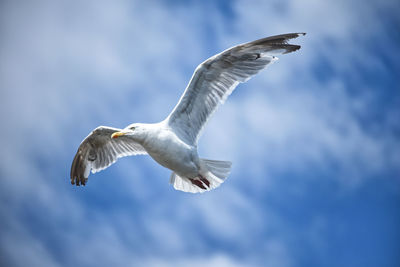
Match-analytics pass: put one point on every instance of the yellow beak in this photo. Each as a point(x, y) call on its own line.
point(117, 134)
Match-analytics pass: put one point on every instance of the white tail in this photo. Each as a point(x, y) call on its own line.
point(216, 173)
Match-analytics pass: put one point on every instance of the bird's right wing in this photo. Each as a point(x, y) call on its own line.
point(215, 79)
point(98, 151)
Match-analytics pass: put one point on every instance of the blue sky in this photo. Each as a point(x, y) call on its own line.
point(316, 173)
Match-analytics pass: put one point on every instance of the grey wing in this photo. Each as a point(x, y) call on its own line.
point(215, 79)
point(98, 151)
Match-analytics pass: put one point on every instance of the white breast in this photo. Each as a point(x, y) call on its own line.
point(171, 152)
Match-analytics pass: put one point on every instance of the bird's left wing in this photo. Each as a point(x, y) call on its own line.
point(215, 79)
point(98, 151)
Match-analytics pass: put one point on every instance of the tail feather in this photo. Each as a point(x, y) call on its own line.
point(183, 184)
point(219, 168)
point(216, 173)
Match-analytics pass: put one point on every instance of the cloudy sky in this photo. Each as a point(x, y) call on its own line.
point(314, 139)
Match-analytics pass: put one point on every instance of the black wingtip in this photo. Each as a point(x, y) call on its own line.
point(286, 36)
point(290, 48)
point(281, 39)
point(293, 35)
point(78, 170)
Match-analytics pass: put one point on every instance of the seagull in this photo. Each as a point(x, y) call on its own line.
point(173, 141)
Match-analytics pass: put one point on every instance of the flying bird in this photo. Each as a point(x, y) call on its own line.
point(173, 141)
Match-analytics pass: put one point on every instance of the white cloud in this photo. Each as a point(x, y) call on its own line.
point(20, 247)
point(218, 260)
point(68, 66)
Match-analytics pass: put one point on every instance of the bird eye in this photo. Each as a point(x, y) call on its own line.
point(133, 128)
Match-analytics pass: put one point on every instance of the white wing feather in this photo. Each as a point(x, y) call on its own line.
point(98, 151)
point(215, 79)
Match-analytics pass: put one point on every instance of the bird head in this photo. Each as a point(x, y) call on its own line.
point(135, 130)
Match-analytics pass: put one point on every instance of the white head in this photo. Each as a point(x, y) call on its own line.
point(136, 131)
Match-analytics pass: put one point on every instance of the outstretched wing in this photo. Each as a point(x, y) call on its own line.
point(215, 79)
point(98, 151)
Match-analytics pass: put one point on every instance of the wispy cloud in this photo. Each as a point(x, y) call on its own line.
point(327, 111)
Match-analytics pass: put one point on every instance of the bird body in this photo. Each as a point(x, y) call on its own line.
point(165, 147)
point(173, 142)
